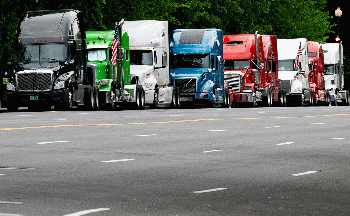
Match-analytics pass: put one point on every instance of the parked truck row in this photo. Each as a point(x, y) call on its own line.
point(138, 63)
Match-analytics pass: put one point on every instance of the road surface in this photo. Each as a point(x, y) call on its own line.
point(210, 161)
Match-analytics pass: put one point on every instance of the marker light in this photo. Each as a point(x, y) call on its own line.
point(337, 38)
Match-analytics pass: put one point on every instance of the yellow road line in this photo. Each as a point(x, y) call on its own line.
point(165, 122)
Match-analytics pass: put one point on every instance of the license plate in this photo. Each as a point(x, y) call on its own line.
point(34, 97)
point(186, 98)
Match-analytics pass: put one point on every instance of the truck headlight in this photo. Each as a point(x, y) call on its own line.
point(10, 87)
point(103, 82)
point(60, 84)
point(148, 85)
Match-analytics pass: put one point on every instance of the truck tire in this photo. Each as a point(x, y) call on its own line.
point(345, 101)
point(12, 107)
point(96, 101)
point(140, 98)
point(226, 98)
point(156, 98)
point(67, 105)
point(177, 96)
point(268, 98)
point(89, 100)
point(173, 99)
point(328, 98)
point(283, 99)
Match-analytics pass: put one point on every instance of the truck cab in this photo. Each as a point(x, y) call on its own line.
point(149, 61)
point(316, 76)
point(251, 68)
point(334, 73)
point(197, 66)
point(293, 70)
point(113, 80)
point(49, 59)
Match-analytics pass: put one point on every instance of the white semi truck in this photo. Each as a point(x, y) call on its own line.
point(334, 73)
point(149, 61)
point(293, 70)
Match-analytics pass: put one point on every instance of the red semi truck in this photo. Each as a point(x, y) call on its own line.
point(251, 70)
point(316, 75)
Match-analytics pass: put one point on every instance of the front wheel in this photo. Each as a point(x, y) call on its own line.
point(89, 100)
point(226, 98)
point(140, 98)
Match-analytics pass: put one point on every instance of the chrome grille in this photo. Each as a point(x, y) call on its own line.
point(34, 81)
point(186, 85)
point(233, 81)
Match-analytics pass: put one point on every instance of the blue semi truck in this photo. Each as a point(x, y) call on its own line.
point(196, 67)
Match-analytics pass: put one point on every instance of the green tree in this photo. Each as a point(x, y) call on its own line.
point(305, 19)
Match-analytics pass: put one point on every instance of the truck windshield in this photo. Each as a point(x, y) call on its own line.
point(235, 64)
point(329, 69)
point(41, 55)
point(190, 61)
point(97, 55)
point(286, 65)
point(141, 57)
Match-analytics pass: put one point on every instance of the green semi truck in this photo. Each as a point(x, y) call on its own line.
point(113, 81)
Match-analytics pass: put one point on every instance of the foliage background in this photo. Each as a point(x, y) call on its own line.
point(311, 19)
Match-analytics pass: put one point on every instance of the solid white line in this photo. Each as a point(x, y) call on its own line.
point(43, 143)
point(2, 174)
point(210, 190)
point(7, 202)
point(286, 143)
point(305, 173)
point(216, 130)
point(212, 151)
point(5, 214)
point(121, 160)
point(88, 212)
point(144, 135)
point(337, 138)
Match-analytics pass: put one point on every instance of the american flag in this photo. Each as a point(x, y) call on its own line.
point(300, 52)
point(115, 46)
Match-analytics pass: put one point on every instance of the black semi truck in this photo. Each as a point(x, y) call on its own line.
point(50, 63)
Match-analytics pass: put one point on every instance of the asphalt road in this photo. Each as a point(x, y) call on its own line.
point(212, 161)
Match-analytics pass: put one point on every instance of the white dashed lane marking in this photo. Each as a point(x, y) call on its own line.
point(146, 135)
point(286, 143)
point(210, 190)
point(216, 130)
point(318, 123)
point(120, 160)
point(305, 173)
point(51, 142)
point(85, 212)
point(215, 150)
point(8, 202)
point(273, 127)
point(338, 138)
